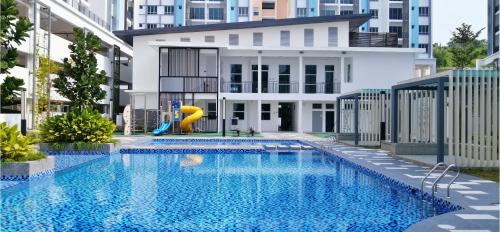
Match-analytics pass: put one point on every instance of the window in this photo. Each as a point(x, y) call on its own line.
point(396, 29)
point(373, 29)
point(308, 37)
point(284, 78)
point(301, 12)
point(197, 13)
point(239, 111)
point(235, 78)
point(185, 39)
point(168, 10)
point(332, 37)
point(426, 46)
point(168, 25)
point(212, 110)
point(317, 106)
point(348, 77)
point(265, 112)
point(268, 5)
point(374, 14)
point(328, 1)
point(423, 29)
point(216, 13)
point(264, 75)
point(257, 39)
point(234, 39)
point(346, 12)
point(329, 78)
point(310, 86)
point(327, 12)
point(256, 11)
point(151, 25)
point(396, 13)
point(242, 11)
point(329, 106)
point(423, 11)
point(209, 39)
point(285, 38)
point(151, 10)
point(347, 1)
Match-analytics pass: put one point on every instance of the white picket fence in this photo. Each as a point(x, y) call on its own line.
point(473, 117)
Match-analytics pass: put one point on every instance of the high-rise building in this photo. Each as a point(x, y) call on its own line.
point(52, 32)
point(409, 19)
point(493, 57)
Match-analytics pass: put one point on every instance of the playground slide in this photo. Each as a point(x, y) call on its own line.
point(196, 114)
point(162, 129)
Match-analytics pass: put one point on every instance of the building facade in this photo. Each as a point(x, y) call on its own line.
point(493, 58)
point(54, 21)
point(276, 75)
point(409, 19)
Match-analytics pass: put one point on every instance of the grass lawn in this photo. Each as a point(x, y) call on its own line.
point(323, 135)
point(484, 174)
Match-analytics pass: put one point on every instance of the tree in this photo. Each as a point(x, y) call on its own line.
point(79, 79)
point(43, 84)
point(463, 46)
point(442, 55)
point(13, 31)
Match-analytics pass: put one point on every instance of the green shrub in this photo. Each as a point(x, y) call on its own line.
point(16, 147)
point(34, 136)
point(86, 126)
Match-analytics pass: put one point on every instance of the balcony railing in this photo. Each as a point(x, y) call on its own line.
point(91, 15)
point(364, 39)
point(251, 87)
point(188, 84)
point(327, 88)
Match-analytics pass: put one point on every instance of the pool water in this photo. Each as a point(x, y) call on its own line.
point(286, 191)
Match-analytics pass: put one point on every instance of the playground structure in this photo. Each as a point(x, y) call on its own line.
point(139, 119)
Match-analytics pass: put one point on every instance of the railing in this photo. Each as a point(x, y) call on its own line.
point(91, 15)
point(328, 1)
point(205, 124)
point(328, 88)
point(188, 84)
point(364, 39)
point(251, 87)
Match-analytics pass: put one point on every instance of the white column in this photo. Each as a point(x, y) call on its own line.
point(342, 71)
point(301, 74)
point(259, 74)
point(299, 117)
point(259, 116)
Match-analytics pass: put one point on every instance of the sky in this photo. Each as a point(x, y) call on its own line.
point(449, 14)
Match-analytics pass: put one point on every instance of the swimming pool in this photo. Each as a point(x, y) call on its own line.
point(269, 191)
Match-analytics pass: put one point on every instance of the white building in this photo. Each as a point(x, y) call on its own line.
point(54, 21)
point(409, 19)
point(276, 75)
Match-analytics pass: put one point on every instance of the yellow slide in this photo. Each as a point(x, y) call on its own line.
point(196, 114)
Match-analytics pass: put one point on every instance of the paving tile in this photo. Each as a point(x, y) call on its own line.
point(486, 207)
point(472, 192)
point(476, 216)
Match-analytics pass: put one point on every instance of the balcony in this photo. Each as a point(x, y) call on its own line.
point(326, 88)
point(91, 15)
point(188, 84)
point(363, 39)
point(267, 87)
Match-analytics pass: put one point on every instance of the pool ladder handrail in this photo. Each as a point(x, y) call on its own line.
point(452, 181)
point(427, 176)
point(434, 185)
